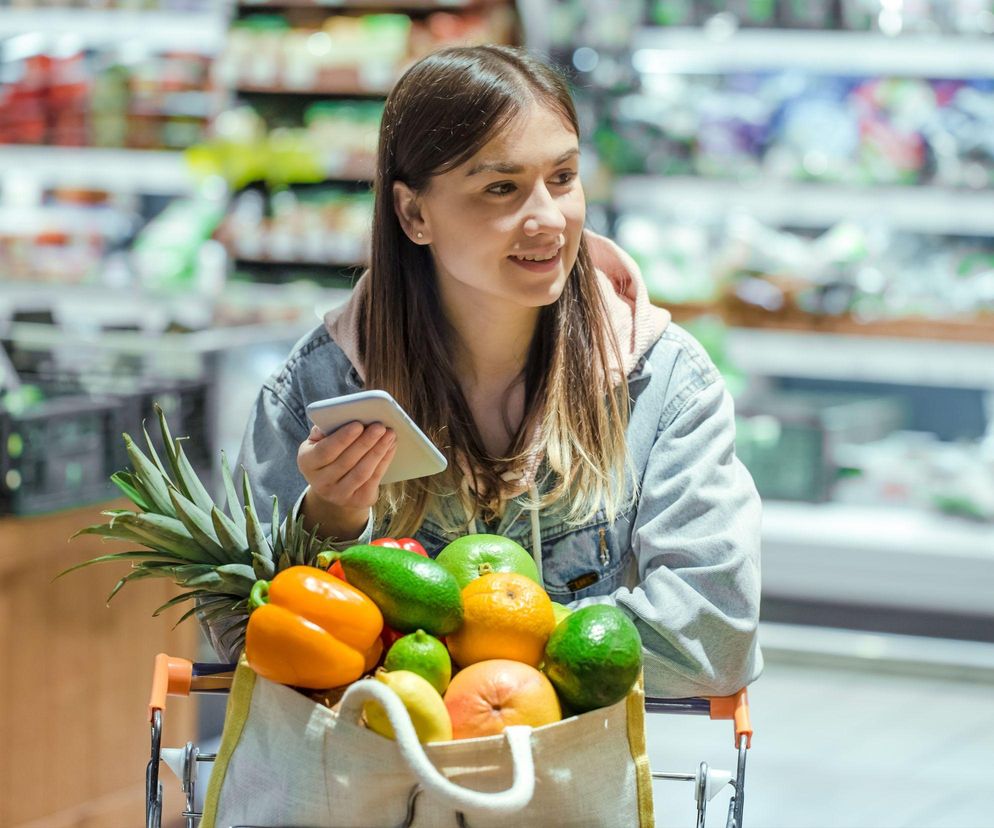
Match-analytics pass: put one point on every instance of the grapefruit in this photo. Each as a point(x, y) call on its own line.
point(505, 615)
point(488, 696)
point(471, 556)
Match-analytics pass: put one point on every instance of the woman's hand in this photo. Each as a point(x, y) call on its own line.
point(343, 470)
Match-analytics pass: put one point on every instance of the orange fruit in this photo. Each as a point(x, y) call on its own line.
point(488, 696)
point(505, 615)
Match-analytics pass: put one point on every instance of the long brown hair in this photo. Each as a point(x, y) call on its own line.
point(442, 111)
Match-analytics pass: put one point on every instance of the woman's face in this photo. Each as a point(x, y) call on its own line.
point(506, 224)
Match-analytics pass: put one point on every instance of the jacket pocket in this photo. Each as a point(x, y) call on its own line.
point(580, 561)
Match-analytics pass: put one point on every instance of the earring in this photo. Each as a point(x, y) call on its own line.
point(421, 235)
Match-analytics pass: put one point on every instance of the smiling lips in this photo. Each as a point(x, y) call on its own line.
point(539, 261)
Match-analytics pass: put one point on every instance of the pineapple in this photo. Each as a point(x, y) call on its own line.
point(215, 557)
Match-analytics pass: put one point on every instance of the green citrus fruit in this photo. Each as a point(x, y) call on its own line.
point(422, 654)
point(471, 556)
point(593, 657)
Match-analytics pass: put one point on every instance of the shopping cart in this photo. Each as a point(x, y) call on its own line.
point(179, 677)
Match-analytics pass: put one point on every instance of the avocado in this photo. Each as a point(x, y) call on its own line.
point(593, 657)
point(412, 592)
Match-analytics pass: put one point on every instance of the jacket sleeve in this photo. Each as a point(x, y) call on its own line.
point(269, 456)
point(696, 539)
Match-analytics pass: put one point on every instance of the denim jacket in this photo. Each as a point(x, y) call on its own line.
point(683, 562)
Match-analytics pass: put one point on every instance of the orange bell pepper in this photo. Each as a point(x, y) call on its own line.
point(309, 629)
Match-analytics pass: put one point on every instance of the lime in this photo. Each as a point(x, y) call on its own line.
point(471, 556)
point(427, 710)
point(422, 654)
point(593, 657)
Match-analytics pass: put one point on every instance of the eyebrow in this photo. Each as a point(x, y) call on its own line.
point(508, 168)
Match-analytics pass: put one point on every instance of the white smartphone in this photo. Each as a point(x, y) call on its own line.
point(416, 455)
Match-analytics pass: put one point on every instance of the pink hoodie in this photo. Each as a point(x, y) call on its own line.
point(637, 323)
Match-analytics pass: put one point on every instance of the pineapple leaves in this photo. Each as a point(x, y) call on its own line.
point(135, 575)
point(179, 599)
point(188, 481)
point(198, 523)
point(154, 454)
point(154, 481)
point(132, 489)
point(247, 498)
point(215, 558)
point(162, 532)
point(234, 507)
point(167, 437)
point(228, 534)
point(140, 555)
point(262, 554)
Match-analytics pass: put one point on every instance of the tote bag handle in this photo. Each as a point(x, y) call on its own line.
point(518, 738)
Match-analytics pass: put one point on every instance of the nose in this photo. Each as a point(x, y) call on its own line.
point(542, 213)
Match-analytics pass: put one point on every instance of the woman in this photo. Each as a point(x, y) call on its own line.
point(577, 419)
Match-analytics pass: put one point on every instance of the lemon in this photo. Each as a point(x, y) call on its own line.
point(561, 611)
point(424, 705)
point(422, 654)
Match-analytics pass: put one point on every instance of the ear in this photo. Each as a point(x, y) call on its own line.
point(408, 210)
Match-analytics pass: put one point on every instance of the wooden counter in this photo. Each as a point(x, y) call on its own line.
point(74, 680)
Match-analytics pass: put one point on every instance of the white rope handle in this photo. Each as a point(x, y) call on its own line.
point(500, 802)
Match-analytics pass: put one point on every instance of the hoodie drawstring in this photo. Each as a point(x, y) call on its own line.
point(536, 533)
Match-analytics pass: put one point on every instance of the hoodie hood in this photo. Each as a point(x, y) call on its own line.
point(636, 322)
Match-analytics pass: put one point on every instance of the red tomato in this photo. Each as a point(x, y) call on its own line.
point(412, 545)
point(409, 544)
point(389, 636)
point(336, 570)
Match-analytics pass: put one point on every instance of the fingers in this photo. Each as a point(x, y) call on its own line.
point(349, 459)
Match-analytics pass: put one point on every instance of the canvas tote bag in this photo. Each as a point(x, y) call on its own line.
point(288, 762)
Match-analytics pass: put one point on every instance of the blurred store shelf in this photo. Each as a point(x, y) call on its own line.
point(716, 51)
point(188, 31)
point(861, 358)
point(879, 556)
point(159, 172)
point(914, 209)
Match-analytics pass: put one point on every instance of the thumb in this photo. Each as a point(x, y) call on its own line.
point(316, 434)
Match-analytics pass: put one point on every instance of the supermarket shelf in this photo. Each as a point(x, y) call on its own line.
point(709, 51)
point(34, 336)
point(914, 209)
point(160, 172)
point(202, 32)
point(879, 556)
point(943, 364)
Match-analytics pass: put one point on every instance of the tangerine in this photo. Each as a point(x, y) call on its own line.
point(505, 615)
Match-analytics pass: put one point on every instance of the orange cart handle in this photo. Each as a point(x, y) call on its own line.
point(734, 707)
point(171, 676)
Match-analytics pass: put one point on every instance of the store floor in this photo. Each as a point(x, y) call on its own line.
point(842, 747)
